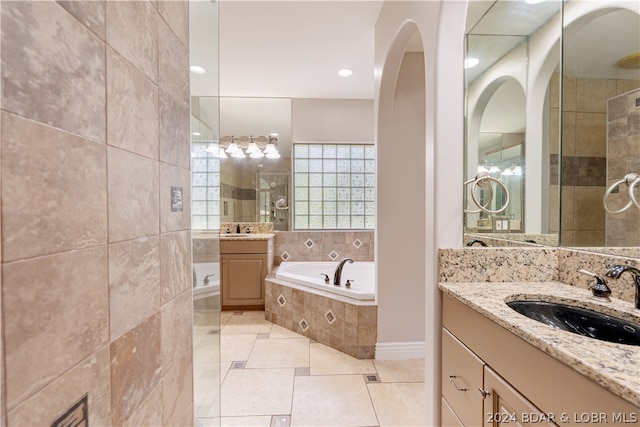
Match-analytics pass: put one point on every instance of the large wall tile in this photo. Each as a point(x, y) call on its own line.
point(171, 176)
point(132, 31)
point(177, 385)
point(91, 13)
point(592, 94)
point(176, 330)
point(54, 197)
point(591, 135)
point(133, 195)
point(132, 108)
point(149, 413)
point(53, 68)
point(176, 14)
point(173, 63)
point(135, 368)
point(174, 132)
point(56, 314)
point(175, 264)
point(91, 377)
point(134, 283)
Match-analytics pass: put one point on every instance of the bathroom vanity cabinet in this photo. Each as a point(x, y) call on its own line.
point(244, 265)
point(491, 377)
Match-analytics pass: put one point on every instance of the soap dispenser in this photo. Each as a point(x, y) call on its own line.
point(600, 289)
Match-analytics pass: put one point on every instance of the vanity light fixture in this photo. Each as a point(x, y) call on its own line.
point(253, 147)
point(196, 69)
point(471, 62)
point(196, 134)
point(345, 72)
point(212, 148)
point(233, 147)
point(222, 154)
point(494, 169)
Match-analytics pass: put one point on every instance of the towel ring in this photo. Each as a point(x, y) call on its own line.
point(631, 179)
point(483, 179)
point(483, 206)
point(631, 188)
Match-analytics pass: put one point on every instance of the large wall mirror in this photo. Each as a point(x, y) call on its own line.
point(255, 187)
point(553, 118)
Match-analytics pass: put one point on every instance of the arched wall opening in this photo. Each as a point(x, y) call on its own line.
point(401, 194)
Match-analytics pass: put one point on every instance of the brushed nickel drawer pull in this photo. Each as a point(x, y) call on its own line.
point(453, 381)
point(483, 393)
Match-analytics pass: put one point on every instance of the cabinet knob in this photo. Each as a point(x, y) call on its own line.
point(452, 380)
point(483, 393)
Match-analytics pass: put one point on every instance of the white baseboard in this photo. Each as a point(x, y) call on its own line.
point(400, 350)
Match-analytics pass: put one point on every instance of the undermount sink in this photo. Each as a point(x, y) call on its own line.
point(580, 321)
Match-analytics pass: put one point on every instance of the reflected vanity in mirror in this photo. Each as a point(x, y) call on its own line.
point(552, 112)
point(255, 180)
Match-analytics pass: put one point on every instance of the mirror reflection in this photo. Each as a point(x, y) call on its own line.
point(255, 179)
point(584, 98)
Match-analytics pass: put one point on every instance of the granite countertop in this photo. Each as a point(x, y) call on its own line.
point(246, 236)
point(614, 366)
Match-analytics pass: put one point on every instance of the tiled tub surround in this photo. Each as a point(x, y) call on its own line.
point(323, 245)
point(339, 322)
point(483, 278)
point(96, 276)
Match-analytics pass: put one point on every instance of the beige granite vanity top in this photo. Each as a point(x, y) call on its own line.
point(246, 236)
point(614, 366)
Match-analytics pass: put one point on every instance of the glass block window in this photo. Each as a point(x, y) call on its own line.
point(205, 187)
point(334, 186)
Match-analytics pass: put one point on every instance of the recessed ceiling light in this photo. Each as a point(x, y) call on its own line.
point(534, 1)
point(471, 62)
point(345, 72)
point(196, 133)
point(196, 69)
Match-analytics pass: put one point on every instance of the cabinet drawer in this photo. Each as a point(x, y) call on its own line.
point(462, 373)
point(244, 246)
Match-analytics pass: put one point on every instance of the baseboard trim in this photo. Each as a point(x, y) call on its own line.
point(400, 350)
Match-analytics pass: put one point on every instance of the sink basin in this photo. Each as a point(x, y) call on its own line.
point(580, 321)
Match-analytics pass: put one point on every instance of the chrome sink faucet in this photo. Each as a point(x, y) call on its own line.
point(617, 270)
point(338, 274)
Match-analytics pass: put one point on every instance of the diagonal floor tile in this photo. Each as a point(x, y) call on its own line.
point(262, 421)
point(328, 361)
point(257, 392)
point(249, 322)
point(279, 332)
point(332, 401)
point(236, 347)
point(400, 371)
point(399, 404)
point(279, 353)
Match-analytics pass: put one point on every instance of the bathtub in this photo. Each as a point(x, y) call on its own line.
point(200, 271)
point(310, 274)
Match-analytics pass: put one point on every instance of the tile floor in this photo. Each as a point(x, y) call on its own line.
point(274, 377)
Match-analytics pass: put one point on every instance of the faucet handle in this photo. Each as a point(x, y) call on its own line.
point(326, 278)
point(600, 289)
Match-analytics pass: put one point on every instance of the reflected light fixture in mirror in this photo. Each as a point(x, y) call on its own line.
point(471, 62)
point(254, 147)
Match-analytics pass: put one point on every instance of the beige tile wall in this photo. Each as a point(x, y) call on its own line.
point(96, 274)
point(352, 329)
point(623, 157)
point(584, 134)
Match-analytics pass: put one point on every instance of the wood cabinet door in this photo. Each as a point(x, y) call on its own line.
point(505, 406)
point(243, 279)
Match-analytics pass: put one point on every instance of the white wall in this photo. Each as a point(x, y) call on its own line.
point(332, 120)
point(441, 25)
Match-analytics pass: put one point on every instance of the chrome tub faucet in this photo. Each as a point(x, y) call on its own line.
point(338, 274)
point(617, 270)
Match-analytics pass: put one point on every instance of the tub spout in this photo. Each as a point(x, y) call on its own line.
point(338, 274)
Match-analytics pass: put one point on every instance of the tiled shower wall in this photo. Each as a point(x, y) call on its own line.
point(96, 295)
point(623, 157)
point(584, 151)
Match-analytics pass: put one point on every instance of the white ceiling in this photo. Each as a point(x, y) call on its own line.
point(294, 49)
